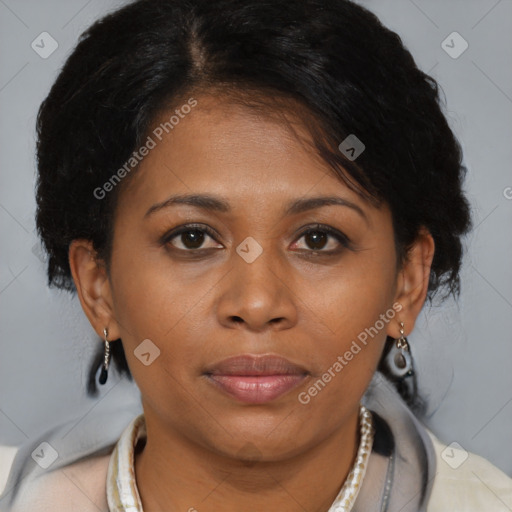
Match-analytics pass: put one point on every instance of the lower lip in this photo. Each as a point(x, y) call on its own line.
point(256, 389)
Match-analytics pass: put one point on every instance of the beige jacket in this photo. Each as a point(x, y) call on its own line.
point(464, 482)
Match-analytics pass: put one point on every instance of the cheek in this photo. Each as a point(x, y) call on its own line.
point(346, 299)
point(155, 300)
point(346, 357)
point(350, 314)
point(150, 293)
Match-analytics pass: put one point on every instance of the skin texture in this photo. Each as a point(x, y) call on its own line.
point(205, 449)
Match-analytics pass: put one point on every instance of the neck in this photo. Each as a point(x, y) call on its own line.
point(173, 474)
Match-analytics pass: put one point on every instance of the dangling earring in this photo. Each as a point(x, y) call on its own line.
point(399, 366)
point(398, 359)
point(106, 361)
point(402, 359)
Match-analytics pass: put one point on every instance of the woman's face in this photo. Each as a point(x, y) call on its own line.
point(244, 280)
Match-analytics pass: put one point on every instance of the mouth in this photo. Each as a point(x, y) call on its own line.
point(256, 379)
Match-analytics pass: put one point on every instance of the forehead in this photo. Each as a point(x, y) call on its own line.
point(229, 149)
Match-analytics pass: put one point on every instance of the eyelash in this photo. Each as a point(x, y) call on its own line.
point(343, 240)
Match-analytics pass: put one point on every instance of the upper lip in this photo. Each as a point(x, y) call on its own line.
point(255, 365)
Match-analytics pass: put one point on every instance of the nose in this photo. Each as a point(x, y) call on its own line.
point(257, 296)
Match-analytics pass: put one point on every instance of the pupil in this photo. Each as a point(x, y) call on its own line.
point(318, 239)
point(192, 238)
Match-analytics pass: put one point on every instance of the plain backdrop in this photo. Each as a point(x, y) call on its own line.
point(463, 349)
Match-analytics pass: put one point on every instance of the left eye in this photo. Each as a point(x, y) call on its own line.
point(317, 238)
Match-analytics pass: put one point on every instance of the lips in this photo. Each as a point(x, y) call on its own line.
point(256, 379)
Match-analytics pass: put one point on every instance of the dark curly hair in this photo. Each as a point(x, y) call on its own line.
point(349, 73)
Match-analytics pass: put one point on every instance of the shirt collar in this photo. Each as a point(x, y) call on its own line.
point(122, 492)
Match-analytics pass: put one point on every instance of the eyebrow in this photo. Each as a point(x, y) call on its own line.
point(217, 204)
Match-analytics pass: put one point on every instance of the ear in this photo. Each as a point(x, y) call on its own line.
point(93, 287)
point(412, 283)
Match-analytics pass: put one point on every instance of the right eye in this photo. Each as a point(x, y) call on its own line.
point(191, 237)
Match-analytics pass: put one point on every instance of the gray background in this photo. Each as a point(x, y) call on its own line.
point(463, 350)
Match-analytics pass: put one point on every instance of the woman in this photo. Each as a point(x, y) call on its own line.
point(253, 200)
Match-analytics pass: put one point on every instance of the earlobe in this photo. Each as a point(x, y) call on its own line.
point(413, 280)
point(93, 288)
